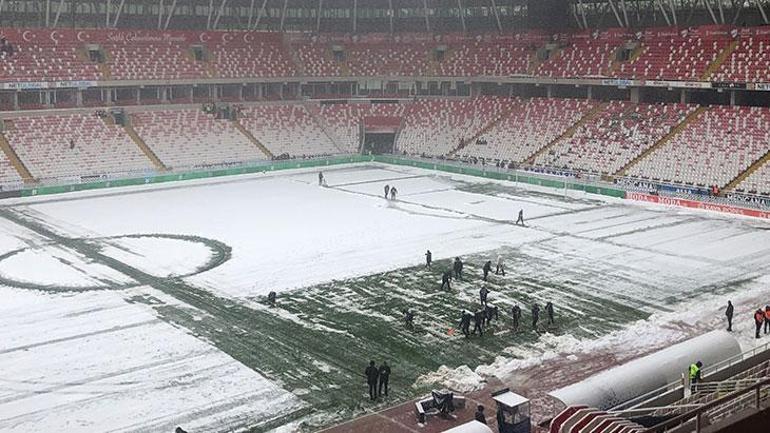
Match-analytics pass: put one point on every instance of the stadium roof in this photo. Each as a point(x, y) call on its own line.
point(358, 16)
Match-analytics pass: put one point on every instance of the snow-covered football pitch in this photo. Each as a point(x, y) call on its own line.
point(139, 309)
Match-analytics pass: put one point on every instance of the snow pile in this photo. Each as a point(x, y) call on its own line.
point(461, 379)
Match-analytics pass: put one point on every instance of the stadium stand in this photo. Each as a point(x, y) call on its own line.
point(584, 56)
point(73, 145)
point(757, 182)
point(287, 129)
point(317, 60)
point(620, 133)
point(668, 55)
point(192, 138)
point(387, 59)
point(245, 58)
point(8, 174)
point(715, 148)
point(343, 122)
point(749, 62)
point(438, 126)
point(57, 58)
point(485, 59)
point(163, 61)
point(531, 125)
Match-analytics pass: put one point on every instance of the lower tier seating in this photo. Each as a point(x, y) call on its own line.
point(192, 138)
point(73, 145)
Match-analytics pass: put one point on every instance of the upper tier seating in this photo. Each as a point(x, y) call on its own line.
point(388, 59)
point(714, 148)
point(484, 58)
point(585, 57)
point(531, 125)
point(192, 138)
point(74, 145)
point(238, 59)
point(757, 182)
point(287, 129)
point(750, 62)
point(673, 58)
point(318, 60)
point(46, 60)
point(343, 121)
point(437, 126)
point(164, 61)
point(613, 138)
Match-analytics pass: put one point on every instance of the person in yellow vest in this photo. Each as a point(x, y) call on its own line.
point(695, 373)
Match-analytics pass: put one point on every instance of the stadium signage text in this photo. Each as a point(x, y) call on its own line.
point(694, 204)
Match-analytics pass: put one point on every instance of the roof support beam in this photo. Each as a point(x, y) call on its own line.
point(171, 13)
point(663, 11)
point(392, 14)
point(583, 13)
point(120, 10)
point(721, 11)
point(711, 11)
point(761, 10)
point(318, 16)
point(673, 11)
point(283, 13)
point(427, 20)
point(48, 12)
point(355, 15)
point(497, 16)
point(259, 14)
point(574, 15)
point(219, 13)
point(462, 14)
point(251, 15)
point(625, 12)
point(58, 11)
point(160, 14)
point(615, 11)
point(211, 12)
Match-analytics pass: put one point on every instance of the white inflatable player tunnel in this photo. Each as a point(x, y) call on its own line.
point(638, 377)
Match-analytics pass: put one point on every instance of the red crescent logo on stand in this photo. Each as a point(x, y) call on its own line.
point(25, 35)
point(203, 37)
point(226, 37)
point(82, 39)
point(247, 38)
point(53, 37)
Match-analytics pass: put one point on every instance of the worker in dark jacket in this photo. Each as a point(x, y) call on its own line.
point(516, 313)
point(478, 322)
point(487, 269)
point(446, 280)
point(535, 316)
point(428, 259)
point(483, 293)
point(372, 374)
point(549, 311)
point(479, 415)
point(759, 318)
point(458, 268)
point(465, 322)
point(729, 313)
point(384, 377)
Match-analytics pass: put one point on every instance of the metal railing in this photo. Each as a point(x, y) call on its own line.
point(706, 371)
point(724, 406)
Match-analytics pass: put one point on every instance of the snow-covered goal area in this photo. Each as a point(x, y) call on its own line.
point(139, 309)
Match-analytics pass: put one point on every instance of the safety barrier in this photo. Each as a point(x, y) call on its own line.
point(544, 180)
point(695, 204)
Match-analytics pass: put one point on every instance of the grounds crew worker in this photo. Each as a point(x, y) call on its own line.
point(759, 318)
point(695, 373)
